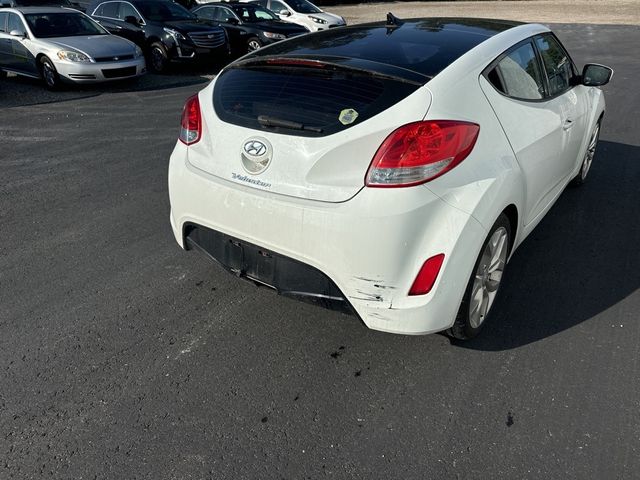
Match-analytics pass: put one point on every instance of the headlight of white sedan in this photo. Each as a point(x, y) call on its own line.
point(319, 20)
point(72, 56)
point(275, 36)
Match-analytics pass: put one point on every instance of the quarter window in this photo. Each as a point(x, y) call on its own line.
point(556, 63)
point(518, 74)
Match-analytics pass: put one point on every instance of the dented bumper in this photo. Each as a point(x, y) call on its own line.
point(370, 247)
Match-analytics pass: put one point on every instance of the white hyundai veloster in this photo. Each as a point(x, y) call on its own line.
point(386, 169)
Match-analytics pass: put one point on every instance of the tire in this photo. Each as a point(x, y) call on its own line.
point(158, 58)
point(587, 161)
point(485, 280)
point(49, 74)
point(253, 44)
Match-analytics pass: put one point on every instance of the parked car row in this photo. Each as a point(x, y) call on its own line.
point(119, 39)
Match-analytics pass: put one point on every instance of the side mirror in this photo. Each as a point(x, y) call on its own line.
point(18, 33)
point(285, 13)
point(132, 20)
point(594, 75)
point(232, 21)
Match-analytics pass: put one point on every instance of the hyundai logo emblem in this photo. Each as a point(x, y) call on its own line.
point(210, 36)
point(256, 154)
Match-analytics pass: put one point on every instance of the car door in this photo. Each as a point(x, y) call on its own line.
point(516, 88)
point(19, 58)
point(130, 23)
point(569, 100)
point(4, 40)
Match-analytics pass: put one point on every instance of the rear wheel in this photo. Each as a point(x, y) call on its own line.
point(49, 74)
point(588, 156)
point(484, 283)
point(158, 58)
point(253, 44)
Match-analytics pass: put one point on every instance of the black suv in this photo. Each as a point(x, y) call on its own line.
point(165, 30)
point(248, 25)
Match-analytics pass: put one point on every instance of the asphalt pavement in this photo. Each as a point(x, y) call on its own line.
point(124, 357)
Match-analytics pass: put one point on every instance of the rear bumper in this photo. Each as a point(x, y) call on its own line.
point(287, 276)
point(370, 247)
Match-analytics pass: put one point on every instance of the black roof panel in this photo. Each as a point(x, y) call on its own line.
point(426, 46)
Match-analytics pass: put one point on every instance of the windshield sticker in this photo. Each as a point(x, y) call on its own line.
point(348, 116)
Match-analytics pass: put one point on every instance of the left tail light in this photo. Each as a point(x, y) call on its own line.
point(191, 124)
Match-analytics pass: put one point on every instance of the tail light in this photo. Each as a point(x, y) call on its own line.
point(191, 124)
point(418, 152)
point(427, 275)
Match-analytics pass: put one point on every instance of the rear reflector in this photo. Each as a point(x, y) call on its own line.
point(191, 123)
point(427, 275)
point(418, 152)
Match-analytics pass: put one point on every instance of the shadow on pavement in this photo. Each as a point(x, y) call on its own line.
point(583, 258)
point(18, 91)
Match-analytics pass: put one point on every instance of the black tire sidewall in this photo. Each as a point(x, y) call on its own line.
point(159, 47)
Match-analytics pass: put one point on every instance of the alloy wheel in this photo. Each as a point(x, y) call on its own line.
point(590, 153)
point(488, 277)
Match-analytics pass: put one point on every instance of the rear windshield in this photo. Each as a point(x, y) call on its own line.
point(325, 101)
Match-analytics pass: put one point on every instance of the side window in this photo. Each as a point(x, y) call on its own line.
point(207, 12)
point(262, 3)
point(126, 10)
point(226, 15)
point(278, 6)
point(518, 74)
point(556, 63)
point(3, 21)
point(108, 10)
point(15, 23)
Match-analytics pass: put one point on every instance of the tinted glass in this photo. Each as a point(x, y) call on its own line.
point(109, 10)
point(49, 25)
point(253, 13)
point(207, 12)
point(310, 96)
point(224, 15)
point(126, 10)
point(518, 74)
point(424, 46)
point(3, 21)
point(15, 23)
point(277, 6)
point(557, 64)
point(39, 3)
point(163, 11)
point(303, 6)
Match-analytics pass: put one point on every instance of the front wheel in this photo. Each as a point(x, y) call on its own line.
point(588, 156)
point(253, 44)
point(484, 283)
point(158, 58)
point(49, 74)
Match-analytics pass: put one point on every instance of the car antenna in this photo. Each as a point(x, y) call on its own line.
point(393, 22)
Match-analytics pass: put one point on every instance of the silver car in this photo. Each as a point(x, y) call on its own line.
point(64, 45)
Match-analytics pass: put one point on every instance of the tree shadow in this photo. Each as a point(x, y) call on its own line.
point(583, 258)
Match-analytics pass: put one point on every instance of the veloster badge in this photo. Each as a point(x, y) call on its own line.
point(256, 155)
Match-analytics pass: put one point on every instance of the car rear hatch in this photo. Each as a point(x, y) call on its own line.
point(320, 121)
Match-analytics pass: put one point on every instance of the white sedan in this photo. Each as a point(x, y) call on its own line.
point(388, 169)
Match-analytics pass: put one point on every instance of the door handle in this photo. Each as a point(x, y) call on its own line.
point(568, 123)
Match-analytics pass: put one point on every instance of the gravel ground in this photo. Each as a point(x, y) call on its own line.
point(545, 11)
